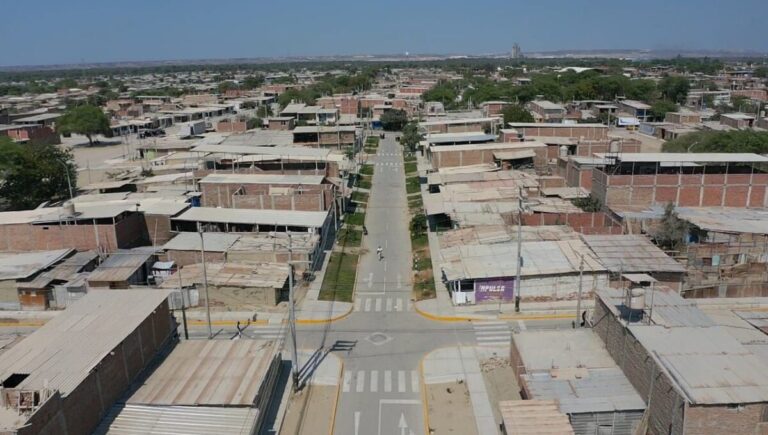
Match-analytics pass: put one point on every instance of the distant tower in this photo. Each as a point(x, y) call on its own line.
point(516, 52)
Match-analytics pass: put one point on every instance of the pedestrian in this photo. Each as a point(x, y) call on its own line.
point(380, 252)
point(365, 231)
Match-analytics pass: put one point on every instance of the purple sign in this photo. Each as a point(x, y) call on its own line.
point(493, 289)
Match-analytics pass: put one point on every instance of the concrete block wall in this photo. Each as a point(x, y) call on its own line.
point(26, 237)
point(574, 131)
point(257, 196)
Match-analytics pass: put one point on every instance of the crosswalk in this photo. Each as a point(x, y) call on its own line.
point(381, 304)
point(266, 332)
point(389, 154)
point(492, 333)
point(381, 381)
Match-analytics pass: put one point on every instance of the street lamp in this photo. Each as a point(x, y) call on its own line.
point(69, 180)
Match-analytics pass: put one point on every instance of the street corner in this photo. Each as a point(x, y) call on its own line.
point(429, 309)
point(323, 312)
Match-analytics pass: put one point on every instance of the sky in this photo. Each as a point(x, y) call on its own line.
point(41, 32)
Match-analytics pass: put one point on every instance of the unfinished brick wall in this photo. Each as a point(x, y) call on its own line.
point(446, 158)
point(158, 229)
point(715, 420)
point(183, 258)
point(590, 132)
point(684, 190)
point(667, 406)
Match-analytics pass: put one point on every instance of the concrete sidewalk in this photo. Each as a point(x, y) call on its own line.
point(462, 364)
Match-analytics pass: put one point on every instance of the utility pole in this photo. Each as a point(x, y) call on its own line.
point(69, 180)
point(292, 317)
point(518, 284)
point(183, 306)
point(581, 280)
point(205, 281)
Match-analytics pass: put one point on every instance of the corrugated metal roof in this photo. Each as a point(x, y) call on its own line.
point(214, 242)
point(534, 417)
point(689, 157)
point(120, 265)
point(591, 390)
point(310, 219)
point(499, 260)
point(17, 266)
point(282, 151)
point(62, 352)
point(631, 253)
point(208, 373)
point(546, 350)
point(188, 420)
point(459, 121)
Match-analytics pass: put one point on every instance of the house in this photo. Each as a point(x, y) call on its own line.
point(508, 154)
point(272, 159)
point(22, 268)
point(187, 248)
point(550, 271)
point(520, 130)
point(30, 133)
point(124, 268)
point(546, 111)
point(493, 108)
point(325, 136)
point(635, 109)
point(573, 369)
point(58, 286)
point(737, 120)
point(489, 124)
point(695, 375)
point(639, 180)
point(280, 123)
point(533, 417)
point(65, 377)
point(267, 191)
point(179, 394)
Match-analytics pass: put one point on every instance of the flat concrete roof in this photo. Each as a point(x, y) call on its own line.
point(224, 178)
point(688, 157)
point(214, 242)
point(310, 219)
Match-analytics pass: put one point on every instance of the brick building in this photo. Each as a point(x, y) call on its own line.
point(324, 136)
point(489, 124)
point(697, 377)
point(267, 191)
point(103, 228)
point(465, 155)
point(493, 108)
point(280, 123)
point(64, 377)
point(684, 179)
point(546, 111)
point(578, 131)
point(737, 120)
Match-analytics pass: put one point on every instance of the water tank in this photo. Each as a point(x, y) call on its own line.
point(614, 147)
point(636, 298)
point(68, 209)
point(563, 151)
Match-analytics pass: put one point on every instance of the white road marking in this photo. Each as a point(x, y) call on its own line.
point(388, 381)
point(414, 381)
point(521, 325)
point(347, 381)
point(399, 305)
point(357, 422)
point(370, 280)
point(401, 381)
point(368, 305)
point(378, 305)
point(374, 381)
point(360, 381)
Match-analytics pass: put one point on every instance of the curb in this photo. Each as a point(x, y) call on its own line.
point(22, 324)
point(322, 321)
point(424, 399)
point(439, 318)
point(338, 396)
point(224, 322)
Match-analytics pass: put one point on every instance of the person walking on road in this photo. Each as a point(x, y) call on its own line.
point(380, 252)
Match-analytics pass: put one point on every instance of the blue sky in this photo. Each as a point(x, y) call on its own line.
point(71, 31)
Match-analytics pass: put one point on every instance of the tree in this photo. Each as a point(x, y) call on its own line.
point(253, 82)
point(31, 174)
point(589, 204)
point(660, 108)
point(86, 120)
point(671, 232)
point(516, 113)
point(248, 105)
point(674, 89)
point(393, 120)
point(740, 141)
point(411, 136)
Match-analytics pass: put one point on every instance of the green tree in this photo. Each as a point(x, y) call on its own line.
point(674, 89)
point(86, 120)
point(31, 174)
point(253, 82)
point(761, 72)
point(739, 141)
point(516, 113)
point(410, 137)
point(660, 108)
point(393, 120)
point(589, 204)
point(671, 231)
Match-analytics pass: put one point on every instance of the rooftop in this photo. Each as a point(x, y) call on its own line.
point(62, 353)
point(631, 253)
point(126, 419)
point(499, 260)
point(208, 373)
point(311, 219)
point(24, 265)
point(239, 275)
point(534, 417)
point(688, 157)
point(214, 242)
point(120, 265)
point(468, 136)
point(224, 178)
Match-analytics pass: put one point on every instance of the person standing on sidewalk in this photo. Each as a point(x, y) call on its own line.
point(380, 252)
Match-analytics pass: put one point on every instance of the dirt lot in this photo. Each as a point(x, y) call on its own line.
point(450, 411)
point(310, 411)
point(500, 382)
